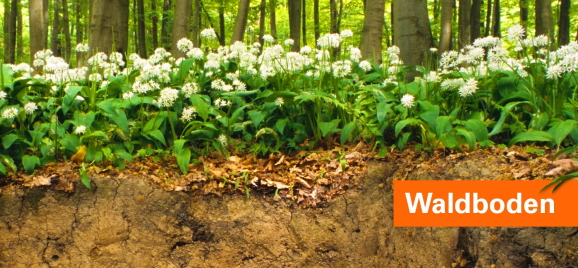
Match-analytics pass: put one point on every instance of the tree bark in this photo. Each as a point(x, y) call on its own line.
point(10, 18)
point(109, 26)
point(316, 19)
point(222, 23)
point(446, 25)
point(45, 9)
point(464, 24)
point(166, 25)
point(181, 24)
point(544, 18)
point(79, 29)
point(37, 32)
point(372, 31)
point(488, 23)
point(66, 30)
point(294, 8)
point(262, 15)
point(304, 22)
point(496, 19)
point(142, 47)
point(333, 16)
point(476, 20)
point(241, 21)
point(55, 45)
point(524, 13)
point(411, 30)
point(272, 17)
point(564, 23)
point(19, 36)
point(196, 22)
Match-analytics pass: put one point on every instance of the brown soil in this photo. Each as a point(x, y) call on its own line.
point(129, 219)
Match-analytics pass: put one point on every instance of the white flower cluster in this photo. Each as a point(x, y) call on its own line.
point(168, 97)
point(209, 34)
point(188, 114)
point(82, 47)
point(10, 113)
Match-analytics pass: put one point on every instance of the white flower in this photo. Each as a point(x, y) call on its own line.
point(168, 97)
point(354, 54)
point(81, 129)
point(488, 41)
point(469, 88)
point(341, 68)
point(452, 83)
point(189, 89)
point(184, 45)
point(222, 103)
point(346, 33)
point(365, 65)
point(329, 41)
point(196, 53)
point(279, 101)
point(305, 50)
point(218, 84)
point(209, 33)
point(555, 71)
point(240, 86)
point(408, 101)
point(80, 47)
point(188, 114)
point(393, 50)
point(10, 113)
point(268, 38)
point(95, 77)
point(289, 42)
point(516, 32)
point(541, 41)
point(433, 49)
point(3, 95)
point(30, 108)
point(79, 98)
point(432, 77)
point(127, 95)
point(223, 139)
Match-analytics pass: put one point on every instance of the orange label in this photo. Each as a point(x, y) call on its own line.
point(484, 203)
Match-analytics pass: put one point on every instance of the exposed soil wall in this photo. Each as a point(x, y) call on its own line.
point(129, 223)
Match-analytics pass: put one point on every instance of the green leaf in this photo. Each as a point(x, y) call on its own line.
point(240, 93)
point(178, 146)
point(430, 114)
point(70, 142)
point(383, 108)
point(184, 69)
point(561, 130)
point(468, 135)
point(6, 75)
point(8, 140)
point(329, 127)
point(2, 169)
point(449, 140)
point(183, 159)
point(157, 134)
point(346, 131)
point(123, 154)
point(559, 181)
point(84, 176)
point(256, 117)
point(200, 106)
point(443, 125)
point(98, 134)
point(29, 162)
point(68, 99)
point(478, 128)
point(8, 161)
point(401, 124)
point(107, 152)
point(280, 125)
point(155, 122)
point(532, 135)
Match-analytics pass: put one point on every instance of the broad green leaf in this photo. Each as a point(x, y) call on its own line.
point(123, 154)
point(2, 169)
point(178, 146)
point(443, 125)
point(561, 130)
point(84, 176)
point(6, 75)
point(478, 128)
point(98, 134)
point(449, 140)
point(8, 161)
point(383, 108)
point(468, 135)
point(68, 99)
point(184, 69)
point(158, 135)
point(183, 159)
point(29, 162)
point(240, 93)
point(532, 135)
point(346, 131)
point(280, 125)
point(539, 121)
point(155, 122)
point(430, 114)
point(401, 124)
point(329, 127)
point(8, 140)
point(256, 117)
point(107, 152)
point(200, 106)
point(70, 142)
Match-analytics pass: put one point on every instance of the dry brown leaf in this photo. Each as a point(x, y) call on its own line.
point(563, 167)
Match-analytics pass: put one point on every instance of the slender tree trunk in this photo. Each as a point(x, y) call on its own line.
point(488, 18)
point(66, 30)
point(37, 32)
point(142, 47)
point(371, 34)
point(294, 7)
point(304, 22)
point(241, 21)
point(464, 24)
point(55, 45)
point(411, 30)
point(154, 22)
point(333, 15)
point(45, 9)
point(564, 23)
point(446, 25)
point(272, 17)
point(496, 19)
point(10, 18)
point(476, 20)
point(109, 26)
point(196, 22)
point(316, 19)
point(222, 23)
point(262, 15)
point(544, 18)
point(181, 26)
point(166, 25)
point(79, 30)
point(524, 13)
point(19, 36)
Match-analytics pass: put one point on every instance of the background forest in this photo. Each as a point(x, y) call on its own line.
point(144, 25)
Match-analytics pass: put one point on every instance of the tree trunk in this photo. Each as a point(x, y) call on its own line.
point(222, 23)
point(142, 47)
point(294, 7)
point(19, 36)
point(496, 19)
point(446, 25)
point(109, 26)
point(524, 13)
point(411, 30)
point(316, 19)
point(181, 24)
point(196, 22)
point(544, 18)
point(304, 22)
point(66, 29)
point(241, 21)
point(333, 15)
point(166, 25)
point(564, 23)
point(55, 45)
point(10, 17)
point(464, 24)
point(488, 23)
point(37, 32)
point(262, 14)
point(476, 20)
point(79, 30)
point(272, 17)
point(371, 34)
